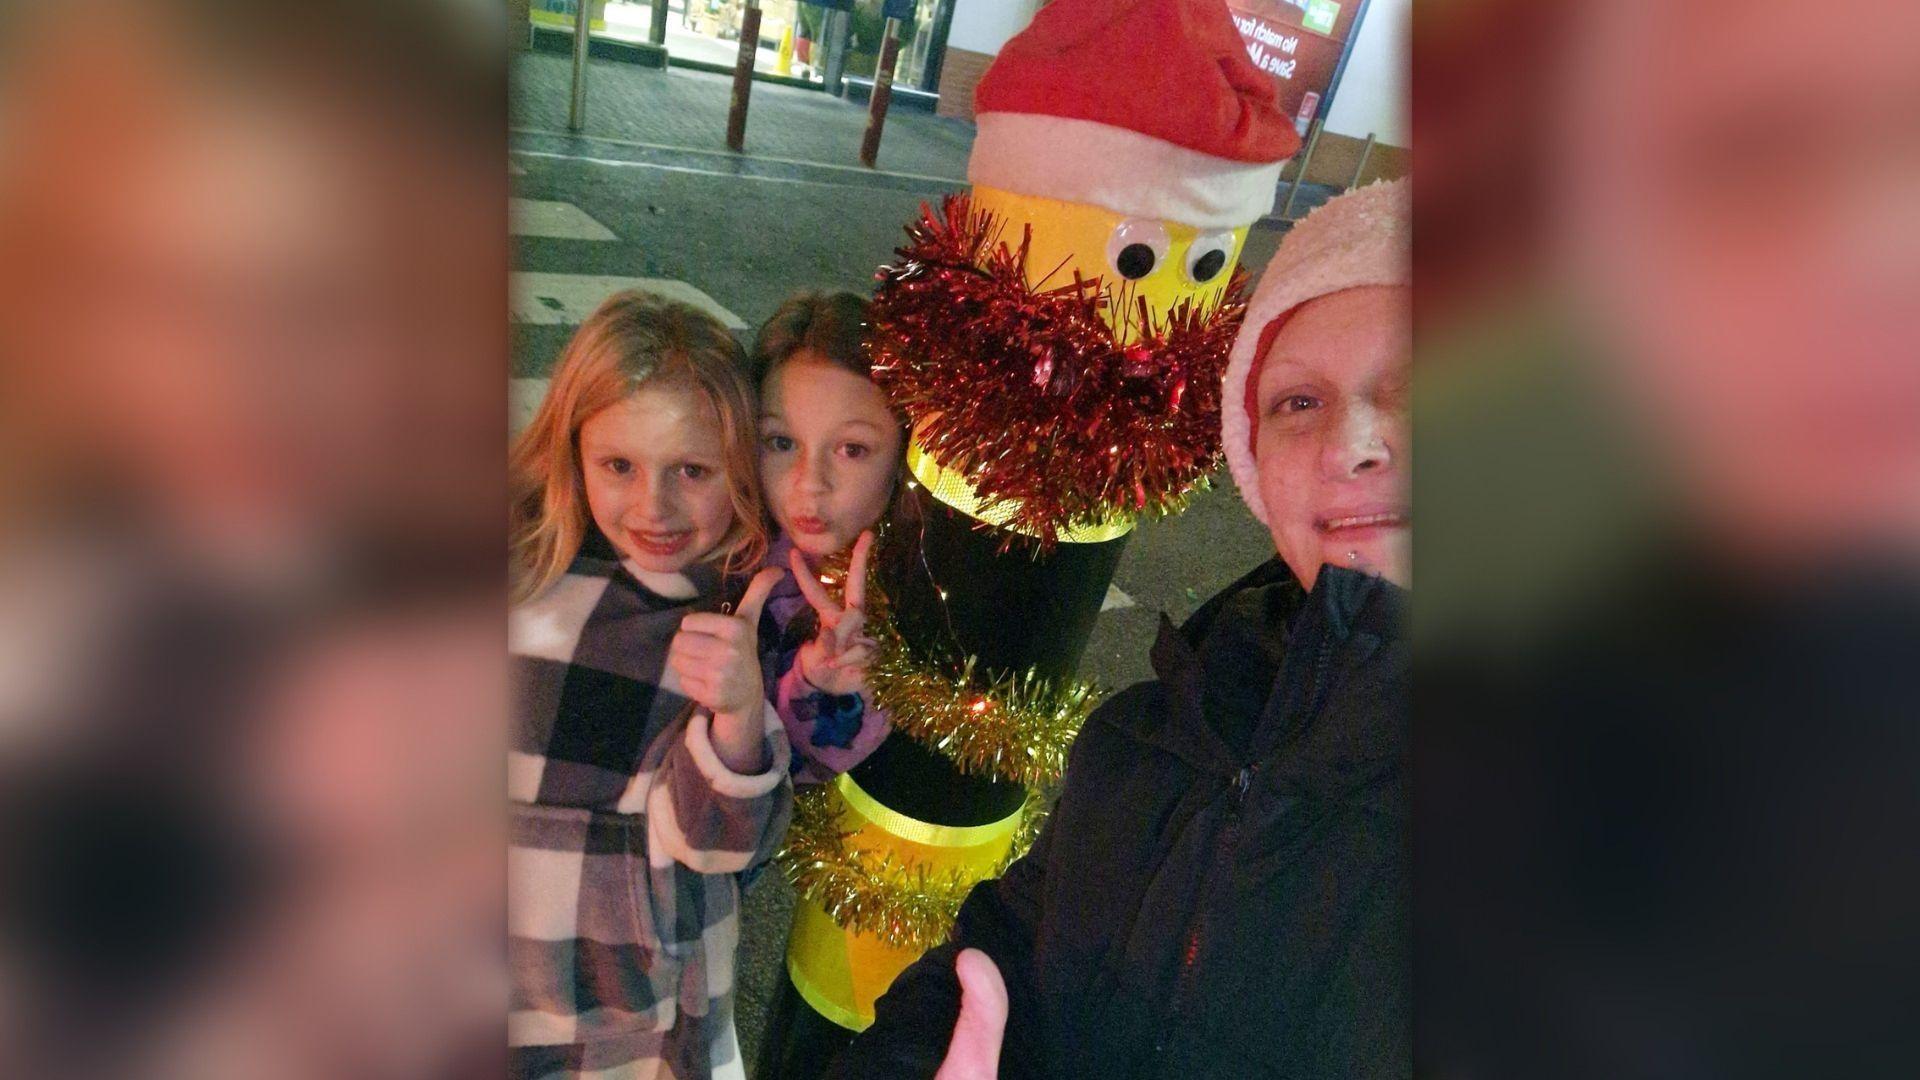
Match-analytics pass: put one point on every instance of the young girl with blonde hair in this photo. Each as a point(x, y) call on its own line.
point(646, 769)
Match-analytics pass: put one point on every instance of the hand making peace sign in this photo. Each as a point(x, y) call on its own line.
point(836, 659)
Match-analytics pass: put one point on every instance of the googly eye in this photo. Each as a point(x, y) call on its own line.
point(1208, 254)
point(1137, 247)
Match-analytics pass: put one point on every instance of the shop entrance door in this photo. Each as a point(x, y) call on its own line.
point(793, 40)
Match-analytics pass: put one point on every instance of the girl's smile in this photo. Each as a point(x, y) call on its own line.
point(662, 544)
point(655, 480)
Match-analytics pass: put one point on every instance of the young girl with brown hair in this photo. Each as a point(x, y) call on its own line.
point(832, 465)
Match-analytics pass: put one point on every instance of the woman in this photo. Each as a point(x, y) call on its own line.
point(1222, 888)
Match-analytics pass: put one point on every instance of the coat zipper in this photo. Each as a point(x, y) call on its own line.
point(1223, 846)
point(1196, 931)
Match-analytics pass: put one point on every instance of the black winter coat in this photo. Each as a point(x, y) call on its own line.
point(1222, 889)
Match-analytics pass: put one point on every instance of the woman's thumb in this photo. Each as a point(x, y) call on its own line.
point(974, 1053)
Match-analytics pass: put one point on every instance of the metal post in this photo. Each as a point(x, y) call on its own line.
point(1306, 158)
point(1346, 53)
point(657, 29)
point(839, 27)
point(743, 75)
point(582, 25)
point(1365, 153)
point(936, 39)
point(882, 92)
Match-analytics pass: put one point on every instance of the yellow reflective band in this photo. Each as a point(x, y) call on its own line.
point(951, 487)
point(841, 974)
point(922, 832)
point(817, 951)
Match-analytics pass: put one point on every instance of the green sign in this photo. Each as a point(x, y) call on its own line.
point(1320, 16)
point(560, 13)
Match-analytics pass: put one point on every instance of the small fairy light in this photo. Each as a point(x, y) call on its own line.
point(828, 579)
point(1017, 729)
point(943, 594)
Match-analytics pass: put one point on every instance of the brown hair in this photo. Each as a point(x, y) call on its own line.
point(834, 326)
point(632, 340)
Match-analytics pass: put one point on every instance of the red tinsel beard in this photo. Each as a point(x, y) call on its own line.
point(1029, 392)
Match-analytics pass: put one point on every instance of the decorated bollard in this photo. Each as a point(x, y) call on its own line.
point(1057, 338)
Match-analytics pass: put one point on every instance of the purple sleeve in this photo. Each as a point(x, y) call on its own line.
point(821, 753)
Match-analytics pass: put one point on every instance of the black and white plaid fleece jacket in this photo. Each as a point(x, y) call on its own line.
point(628, 831)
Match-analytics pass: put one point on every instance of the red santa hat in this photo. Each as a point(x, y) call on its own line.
point(1362, 237)
point(1149, 108)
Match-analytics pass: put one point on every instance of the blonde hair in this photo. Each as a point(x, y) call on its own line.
point(632, 340)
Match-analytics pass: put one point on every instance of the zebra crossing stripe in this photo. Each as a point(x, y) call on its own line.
point(545, 299)
point(559, 220)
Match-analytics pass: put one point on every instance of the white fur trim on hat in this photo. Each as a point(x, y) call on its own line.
point(1362, 237)
point(1080, 161)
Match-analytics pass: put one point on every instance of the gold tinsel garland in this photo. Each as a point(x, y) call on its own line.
point(1017, 728)
point(869, 893)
